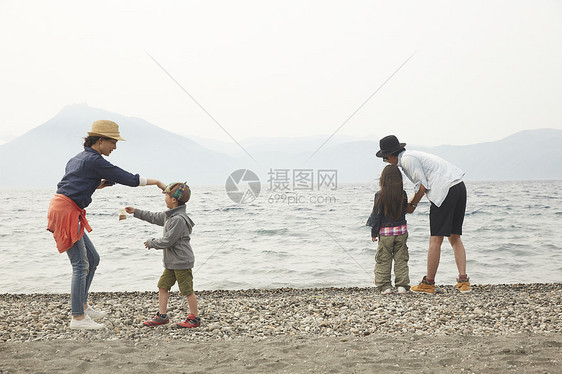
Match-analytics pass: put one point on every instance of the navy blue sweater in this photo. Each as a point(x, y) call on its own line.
point(84, 173)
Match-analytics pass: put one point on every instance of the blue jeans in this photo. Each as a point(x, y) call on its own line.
point(84, 260)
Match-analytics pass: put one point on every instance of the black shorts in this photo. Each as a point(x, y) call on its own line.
point(449, 217)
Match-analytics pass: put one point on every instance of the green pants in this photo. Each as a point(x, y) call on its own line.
point(392, 248)
point(184, 278)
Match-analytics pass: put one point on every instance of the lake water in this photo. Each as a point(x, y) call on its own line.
point(512, 233)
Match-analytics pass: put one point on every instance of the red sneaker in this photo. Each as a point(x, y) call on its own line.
point(190, 322)
point(157, 321)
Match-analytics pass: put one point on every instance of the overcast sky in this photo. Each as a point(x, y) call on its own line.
point(479, 70)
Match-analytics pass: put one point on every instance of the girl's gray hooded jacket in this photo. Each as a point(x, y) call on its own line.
point(178, 254)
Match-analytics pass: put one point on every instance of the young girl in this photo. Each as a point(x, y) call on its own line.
point(388, 224)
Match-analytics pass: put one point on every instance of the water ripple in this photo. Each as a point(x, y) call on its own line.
point(510, 236)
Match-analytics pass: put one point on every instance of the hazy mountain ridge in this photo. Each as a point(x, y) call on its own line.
point(526, 155)
point(38, 157)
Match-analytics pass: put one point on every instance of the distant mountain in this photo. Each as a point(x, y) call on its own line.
point(38, 157)
point(527, 155)
point(530, 154)
point(290, 145)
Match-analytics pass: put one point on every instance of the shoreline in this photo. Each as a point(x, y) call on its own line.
point(330, 312)
point(495, 328)
point(441, 288)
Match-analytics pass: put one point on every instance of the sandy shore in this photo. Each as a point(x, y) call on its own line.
point(494, 329)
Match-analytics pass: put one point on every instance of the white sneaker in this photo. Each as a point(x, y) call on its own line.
point(94, 314)
point(85, 324)
point(401, 290)
point(388, 291)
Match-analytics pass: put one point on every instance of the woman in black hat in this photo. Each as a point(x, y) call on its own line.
point(442, 184)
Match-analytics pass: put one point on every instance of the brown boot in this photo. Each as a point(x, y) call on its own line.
point(424, 286)
point(463, 286)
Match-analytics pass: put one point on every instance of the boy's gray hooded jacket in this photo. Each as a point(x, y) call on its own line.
point(178, 254)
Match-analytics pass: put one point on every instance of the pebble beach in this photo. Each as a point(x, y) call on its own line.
point(495, 328)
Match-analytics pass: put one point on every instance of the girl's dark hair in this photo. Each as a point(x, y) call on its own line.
point(391, 195)
point(91, 140)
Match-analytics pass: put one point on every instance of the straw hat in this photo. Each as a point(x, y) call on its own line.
point(105, 128)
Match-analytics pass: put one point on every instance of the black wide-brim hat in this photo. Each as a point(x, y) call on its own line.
point(389, 145)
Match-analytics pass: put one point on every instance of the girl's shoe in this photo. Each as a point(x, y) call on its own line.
point(156, 321)
point(190, 322)
point(401, 290)
point(85, 324)
point(94, 314)
point(388, 291)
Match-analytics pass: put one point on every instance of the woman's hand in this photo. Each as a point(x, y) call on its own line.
point(151, 182)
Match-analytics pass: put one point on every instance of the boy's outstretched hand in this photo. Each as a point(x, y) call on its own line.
point(130, 209)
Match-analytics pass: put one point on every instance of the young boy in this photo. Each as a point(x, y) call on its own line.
point(178, 256)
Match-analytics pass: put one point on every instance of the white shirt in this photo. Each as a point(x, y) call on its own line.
point(434, 173)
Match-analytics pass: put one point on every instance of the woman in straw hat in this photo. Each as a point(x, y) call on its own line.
point(84, 174)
